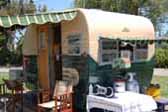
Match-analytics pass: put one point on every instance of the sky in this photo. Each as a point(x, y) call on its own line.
point(55, 4)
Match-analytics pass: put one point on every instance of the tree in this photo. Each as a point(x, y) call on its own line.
point(15, 7)
point(161, 58)
point(4, 3)
point(42, 8)
point(8, 52)
point(125, 6)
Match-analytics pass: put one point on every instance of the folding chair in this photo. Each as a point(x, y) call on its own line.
point(44, 102)
point(63, 96)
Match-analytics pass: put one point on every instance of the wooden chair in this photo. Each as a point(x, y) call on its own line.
point(63, 97)
point(16, 96)
point(43, 98)
point(63, 103)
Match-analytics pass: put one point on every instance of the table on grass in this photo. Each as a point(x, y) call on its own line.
point(122, 102)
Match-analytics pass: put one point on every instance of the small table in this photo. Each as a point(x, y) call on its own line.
point(162, 102)
point(122, 102)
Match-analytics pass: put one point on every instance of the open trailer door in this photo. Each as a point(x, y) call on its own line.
point(43, 62)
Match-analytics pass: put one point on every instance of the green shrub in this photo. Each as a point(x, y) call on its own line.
point(4, 56)
point(161, 58)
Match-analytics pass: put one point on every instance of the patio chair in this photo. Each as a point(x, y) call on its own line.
point(44, 100)
point(63, 97)
point(16, 94)
point(63, 103)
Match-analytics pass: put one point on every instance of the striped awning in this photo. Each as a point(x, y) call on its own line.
point(41, 18)
point(135, 39)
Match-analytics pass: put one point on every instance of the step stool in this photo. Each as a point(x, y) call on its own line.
point(161, 103)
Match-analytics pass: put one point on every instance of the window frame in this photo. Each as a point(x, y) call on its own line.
point(101, 52)
point(72, 36)
point(140, 50)
point(42, 40)
point(117, 52)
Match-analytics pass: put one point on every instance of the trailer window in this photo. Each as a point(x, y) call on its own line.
point(42, 40)
point(141, 51)
point(74, 44)
point(108, 51)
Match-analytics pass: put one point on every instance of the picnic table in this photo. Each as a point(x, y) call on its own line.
point(122, 102)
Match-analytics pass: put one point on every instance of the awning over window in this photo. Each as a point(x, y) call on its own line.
point(41, 18)
point(134, 39)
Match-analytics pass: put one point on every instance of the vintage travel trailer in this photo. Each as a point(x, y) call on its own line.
point(80, 45)
point(84, 48)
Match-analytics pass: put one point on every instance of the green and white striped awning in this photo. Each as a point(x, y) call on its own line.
point(124, 38)
point(41, 18)
point(135, 39)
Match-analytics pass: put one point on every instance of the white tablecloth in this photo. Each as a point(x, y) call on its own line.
point(123, 102)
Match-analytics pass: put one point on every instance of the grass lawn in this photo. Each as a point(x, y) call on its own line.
point(3, 76)
point(163, 81)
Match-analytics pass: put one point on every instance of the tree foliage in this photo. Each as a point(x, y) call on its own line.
point(161, 58)
point(42, 8)
point(161, 54)
point(8, 53)
point(15, 7)
point(4, 3)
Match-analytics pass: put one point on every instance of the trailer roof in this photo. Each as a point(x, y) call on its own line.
point(117, 25)
point(114, 24)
